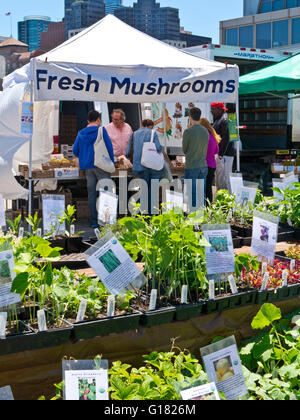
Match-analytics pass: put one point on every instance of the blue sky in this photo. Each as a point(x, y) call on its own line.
point(199, 16)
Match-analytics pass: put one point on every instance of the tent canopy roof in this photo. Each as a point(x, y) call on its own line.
point(280, 77)
point(111, 42)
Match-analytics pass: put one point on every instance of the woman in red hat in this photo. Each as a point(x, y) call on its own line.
point(226, 148)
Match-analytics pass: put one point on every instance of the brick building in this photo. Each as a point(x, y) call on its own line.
point(53, 37)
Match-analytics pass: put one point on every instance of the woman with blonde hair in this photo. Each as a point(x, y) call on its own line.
point(212, 151)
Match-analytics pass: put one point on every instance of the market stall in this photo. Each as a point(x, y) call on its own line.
point(144, 70)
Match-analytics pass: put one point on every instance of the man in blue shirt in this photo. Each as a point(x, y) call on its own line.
point(84, 150)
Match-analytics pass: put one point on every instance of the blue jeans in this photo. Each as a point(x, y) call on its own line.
point(92, 177)
point(148, 175)
point(194, 174)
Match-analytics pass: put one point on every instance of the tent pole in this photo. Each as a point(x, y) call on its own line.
point(165, 126)
point(30, 165)
point(238, 152)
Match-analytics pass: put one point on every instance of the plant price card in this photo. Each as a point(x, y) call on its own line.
point(107, 208)
point(114, 266)
point(6, 277)
point(86, 385)
point(2, 213)
point(264, 236)
point(53, 208)
point(6, 394)
point(246, 196)
point(206, 392)
point(236, 183)
point(220, 255)
point(223, 367)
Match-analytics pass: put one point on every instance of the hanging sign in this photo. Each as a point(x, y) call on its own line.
point(233, 127)
point(27, 118)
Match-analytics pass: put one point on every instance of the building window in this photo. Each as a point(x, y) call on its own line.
point(280, 33)
point(246, 36)
point(263, 35)
point(266, 6)
point(292, 3)
point(296, 31)
point(232, 37)
point(278, 5)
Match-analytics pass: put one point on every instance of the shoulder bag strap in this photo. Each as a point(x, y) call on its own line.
point(152, 136)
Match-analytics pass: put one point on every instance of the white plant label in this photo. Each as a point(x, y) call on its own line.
point(184, 294)
point(86, 385)
point(7, 276)
point(97, 233)
point(284, 278)
point(153, 300)
point(81, 310)
point(232, 285)
point(264, 268)
point(6, 394)
point(212, 292)
point(39, 232)
point(111, 305)
point(21, 232)
point(292, 265)
point(206, 392)
point(72, 230)
point(107, 207)
point(265, 282)
point(3, 321)
point(41, 317)
point(53, 208)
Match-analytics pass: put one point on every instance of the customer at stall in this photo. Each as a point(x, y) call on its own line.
point(84, 150)
point(195, 145)
point(119, 132)
point(134, 153)
point(212, 152)
point(227, 150)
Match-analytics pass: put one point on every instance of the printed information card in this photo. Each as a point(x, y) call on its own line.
point(6, 394)
point(116, 269)
point(220, 255)
point(264, 236)
point(236, 182)
point(223, 367)
point(7, 276)
point(246, 196)
point(107, 208)
point(53, 208)
point(206, 392)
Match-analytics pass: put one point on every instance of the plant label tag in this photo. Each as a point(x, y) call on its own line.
point(3, 320)
point(264, 268)
point(265, 282)
point(292, 265)
point(53, 209)
point(264, 235)
point(97, 233)
point(72, 230)
point(285, 278)
point(107, 207)
point(81, 310)
point(212, 290)
point(21, 232)
point(184, 294)
point(232, 284)
point(86, 385)
point(204, 392)
point(153, 300)
point(39, 232)
point(41, 317)
point(111, 304)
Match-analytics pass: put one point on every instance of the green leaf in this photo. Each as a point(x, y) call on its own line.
point(20, 284)
point(266, 316)
point(48, 276)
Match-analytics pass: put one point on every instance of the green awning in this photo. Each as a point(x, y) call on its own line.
point(282, 77)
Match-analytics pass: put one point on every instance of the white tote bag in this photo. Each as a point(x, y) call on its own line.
point(150, 157)
point(102, 158)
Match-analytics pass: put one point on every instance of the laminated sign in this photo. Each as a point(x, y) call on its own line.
point(27, 118)
point(114, 266)
point(223, 367)
point(220, 255)
point(107, 207)
point(236, 183)
point(53, 208)
point(264, 236)
point(7, 276)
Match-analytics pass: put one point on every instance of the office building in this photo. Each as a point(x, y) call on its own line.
point(80, 14)
point(53, 37)
point(266, 24)
point(112, 5)
point(30, 29)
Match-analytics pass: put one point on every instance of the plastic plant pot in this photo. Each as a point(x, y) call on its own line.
point(158, 316)
point(102, 327)
point(218, 304)
point(243, 299)
point(189, 311)
point(19, 342)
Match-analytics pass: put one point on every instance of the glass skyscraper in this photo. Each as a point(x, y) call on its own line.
point(80, 14)
point(266, 24)
point(29, 30)
point(149, 17)
point(112, 5)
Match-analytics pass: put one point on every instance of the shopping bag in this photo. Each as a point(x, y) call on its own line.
point(151, 158)
point(102, 158)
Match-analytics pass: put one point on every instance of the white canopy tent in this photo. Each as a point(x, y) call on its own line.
point(113, 62)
